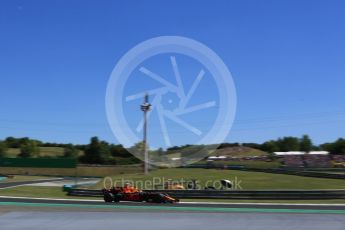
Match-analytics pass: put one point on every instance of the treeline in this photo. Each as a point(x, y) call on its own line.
point(102, 152)
point(96, 152)
point(286, 144)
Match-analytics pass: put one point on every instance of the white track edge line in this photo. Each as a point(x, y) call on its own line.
point(186, 202)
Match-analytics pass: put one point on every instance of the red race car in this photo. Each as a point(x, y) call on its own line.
point(118, 194)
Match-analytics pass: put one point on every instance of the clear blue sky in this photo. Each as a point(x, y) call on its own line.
point(287, 59)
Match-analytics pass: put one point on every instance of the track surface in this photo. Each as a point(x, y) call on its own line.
point(173, 221)
point(37, 214)
point(184, 206)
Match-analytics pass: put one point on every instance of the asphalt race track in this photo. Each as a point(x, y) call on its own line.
point(27, 213)
point(155, 221)
point(197, 206)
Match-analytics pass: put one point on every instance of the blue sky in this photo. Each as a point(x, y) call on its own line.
point(286, 57)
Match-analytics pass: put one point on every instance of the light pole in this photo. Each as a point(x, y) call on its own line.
point(145, 107)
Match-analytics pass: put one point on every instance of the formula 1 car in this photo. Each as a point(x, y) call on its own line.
point(118, 194)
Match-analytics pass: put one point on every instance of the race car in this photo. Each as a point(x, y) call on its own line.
point(118, 194)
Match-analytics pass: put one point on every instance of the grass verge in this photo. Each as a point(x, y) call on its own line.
point(245, 180)
point(39, 192)
point(330, 201)
point(56, 192)
point(20, 178)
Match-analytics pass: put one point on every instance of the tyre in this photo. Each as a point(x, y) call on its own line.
point(108, 197)
point(117, 198)
point(149, 200)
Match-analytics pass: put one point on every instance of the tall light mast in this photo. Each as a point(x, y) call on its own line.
point(145, 107)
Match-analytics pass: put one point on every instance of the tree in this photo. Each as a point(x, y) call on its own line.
point(119, 151)
point(194, 151)
point(12, 142)
point(251, 145)
point(306, 144)
point(97, 152)
point(70, 151)
point(337, 147)
point(226, 145)
point(138, 149)
point(288, 144)
point(270, 147)
point(29, 148)
point(3, 149)
point(160, 152)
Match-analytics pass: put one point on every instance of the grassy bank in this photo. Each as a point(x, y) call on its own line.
point(89, 171)
point(39, 192)
point(246, 180)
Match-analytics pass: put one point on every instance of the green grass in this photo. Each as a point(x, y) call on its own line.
point(329, 172)
point(330, 201)
point(34, 191)
point(18, 178)
point(38, 192)
point(249, 180)
point(56, 192)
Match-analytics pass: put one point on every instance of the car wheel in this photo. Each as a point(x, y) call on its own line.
point(117, 198)
point(108, 198)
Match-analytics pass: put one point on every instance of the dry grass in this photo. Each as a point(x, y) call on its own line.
point(44, 152)
point(89, 171)
point(239, 151)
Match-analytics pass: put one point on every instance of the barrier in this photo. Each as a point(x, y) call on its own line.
point(235, 194)
point(39, 162)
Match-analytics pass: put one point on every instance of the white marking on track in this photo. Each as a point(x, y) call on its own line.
point(187, 202)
